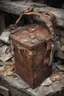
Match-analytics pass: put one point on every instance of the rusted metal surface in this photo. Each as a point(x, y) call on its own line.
point(4, 91)
point(32, 48)
point(46, 20)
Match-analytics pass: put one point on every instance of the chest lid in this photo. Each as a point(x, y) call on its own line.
point(31, 35)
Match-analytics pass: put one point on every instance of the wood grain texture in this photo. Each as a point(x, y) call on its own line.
point(19, 7)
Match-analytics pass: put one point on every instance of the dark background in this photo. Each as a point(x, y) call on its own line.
point(52, 3)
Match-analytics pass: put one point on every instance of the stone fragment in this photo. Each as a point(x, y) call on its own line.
point(47, 82)
point(3, 49)
point(1, 66)
point(62, 48)
point(5, 53)
point(56, 76)
point(57, 86)
point(45, 91)
point(59, 53)
point(62, 40)
point(60, 67)
point(5, 36)
point(5, 57)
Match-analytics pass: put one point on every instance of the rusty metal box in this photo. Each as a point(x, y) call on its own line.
point(32, 47)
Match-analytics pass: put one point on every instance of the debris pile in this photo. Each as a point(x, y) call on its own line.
point(7, 58)
point(59, 54)
point(5, 50)
point(5, 45)
point(7, 69)
point(6, 53)
point(56, 76)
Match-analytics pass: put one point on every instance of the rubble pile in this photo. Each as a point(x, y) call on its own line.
point(59, 54)
point(6, 53)
point(5, 50)
point(7, 57)
point(7, 69)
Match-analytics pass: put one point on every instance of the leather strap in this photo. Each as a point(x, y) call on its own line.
point(45, 19)
point(52, 17)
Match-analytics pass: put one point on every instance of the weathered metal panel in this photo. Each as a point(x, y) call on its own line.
point(32, 47)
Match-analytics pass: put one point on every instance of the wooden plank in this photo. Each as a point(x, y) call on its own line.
point(41, 90)
point(44, 89)
point(12, 7)
point(19, 7)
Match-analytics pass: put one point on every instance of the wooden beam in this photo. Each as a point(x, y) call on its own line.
point(19, 7)
point(12, 7)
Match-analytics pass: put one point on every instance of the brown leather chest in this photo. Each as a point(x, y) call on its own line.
point(32, 47)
